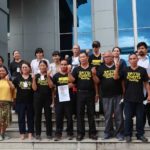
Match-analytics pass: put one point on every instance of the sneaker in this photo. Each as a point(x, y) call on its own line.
point(142, 138)
point(79, 137)
point(128, 139)
point(1, 138)
point(106, 137)
point(38, 137)
point(5, 136)
point(120, 137)
point(70, 137)
point(93, 136)
point(49, 137)
point(57, 138)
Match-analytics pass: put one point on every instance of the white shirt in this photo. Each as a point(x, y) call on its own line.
point(145, 63)
point(54, 69)
point(75, 62)
point(35, 65)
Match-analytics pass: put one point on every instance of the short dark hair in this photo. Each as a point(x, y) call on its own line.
point(2, 59)
point(142, 44)
point(39, 50)
point(96, 44)
point(14, 51)
point(84, 52)
point(118, 49)
point(56, 53)
point(44, 62)
point(2, 66)
point(132, 53)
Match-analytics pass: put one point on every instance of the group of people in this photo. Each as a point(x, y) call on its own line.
point(72, 84)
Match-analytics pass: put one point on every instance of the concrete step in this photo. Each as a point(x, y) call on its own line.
point(14, 132)
point(64, 144)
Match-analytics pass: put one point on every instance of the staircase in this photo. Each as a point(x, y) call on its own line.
point(87, 144)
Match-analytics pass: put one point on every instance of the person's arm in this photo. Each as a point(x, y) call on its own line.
point(34, 85)
point(95, 78)
point(12, 87)
point(147, 87)
point(50, 82)
point(116, 71)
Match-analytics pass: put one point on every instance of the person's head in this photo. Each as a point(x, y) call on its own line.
point(43, 66)
point(76, 50)
point(63, 65)
point(56, 56)
point(16, 55)
point(39, 53)
point(108, 58)
point(96, 46)
point(116, 51)
point(142, 49)
point(83, 57)
point(3, 72)
point(25, 68)
point(1, 60)
point(133, 59)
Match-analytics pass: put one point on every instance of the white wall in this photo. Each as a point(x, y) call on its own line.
point(34, 23)
point(104, 23)
point(3, 29)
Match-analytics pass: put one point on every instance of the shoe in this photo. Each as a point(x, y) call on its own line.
point(142, 138)
point(1, 138)
point(106, 137)
point(120, 137)
point(57, 138)
point(128, 139)
point(5, 136)
point(49, 137)
point(93, 137)
point(70, 137)
point(38, 137)
point(79, 137)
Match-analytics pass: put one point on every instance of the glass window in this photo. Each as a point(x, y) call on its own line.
point(84, 24)
point(125, 24)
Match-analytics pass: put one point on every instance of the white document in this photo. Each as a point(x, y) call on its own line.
point(63, 93)
point(25, 84)
point(42, 77)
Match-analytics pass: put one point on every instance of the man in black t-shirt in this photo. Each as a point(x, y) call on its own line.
point(111, 88)
point(63, 105)
point(135, 78)
point(82, 75)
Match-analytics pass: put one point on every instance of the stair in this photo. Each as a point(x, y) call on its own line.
point(87, 144)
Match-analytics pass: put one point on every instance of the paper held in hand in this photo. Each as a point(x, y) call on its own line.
point(63, 93)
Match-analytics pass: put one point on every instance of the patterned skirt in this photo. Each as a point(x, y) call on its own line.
point(5, 113)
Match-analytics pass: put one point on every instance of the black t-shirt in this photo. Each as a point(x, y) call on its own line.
point(43, 89)
point(83, 78)
point(24, 89)
point(15, 68)
point(109, 86)
point(95, 61)
point(134, 84)
point(59, 80)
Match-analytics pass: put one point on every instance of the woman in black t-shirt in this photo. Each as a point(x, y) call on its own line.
point(24, 100)
point(42, 85)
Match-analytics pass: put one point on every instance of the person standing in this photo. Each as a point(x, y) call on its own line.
point(135, 78)
point(144, 61)
point(111, 90)
point(24, 101)
point(6, 98)
point(15, 64)
point(42, 85)
point(39, 54)
point(82, 75)
point(73, 62)
point(63, 105)
point(116, 51)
